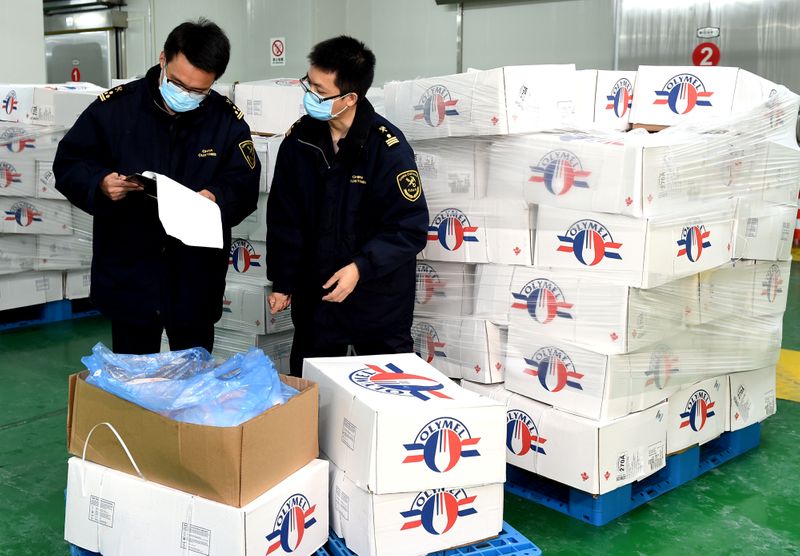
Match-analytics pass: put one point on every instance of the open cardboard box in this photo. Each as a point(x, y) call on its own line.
point(231, 465)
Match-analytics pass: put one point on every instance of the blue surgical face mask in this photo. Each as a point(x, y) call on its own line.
point(320, 110)
point(176, 98)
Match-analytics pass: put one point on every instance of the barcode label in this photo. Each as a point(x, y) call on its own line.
point(349, 431)
point(195, 539)
point(101, 511)
point(751, 229)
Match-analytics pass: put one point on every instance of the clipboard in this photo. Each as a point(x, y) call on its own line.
point(149, 184)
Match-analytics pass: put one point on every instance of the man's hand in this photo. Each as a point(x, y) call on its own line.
point(208, 195)
point(278, 302)
point(116, 188)
point(345, 280)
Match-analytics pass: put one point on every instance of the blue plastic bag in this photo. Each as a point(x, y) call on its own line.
point(188, 386)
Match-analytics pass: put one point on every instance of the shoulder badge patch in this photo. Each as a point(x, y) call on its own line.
point(111, 92)
point(409, 184)
point(249, 153)
point(236, 111)
point(390, 139)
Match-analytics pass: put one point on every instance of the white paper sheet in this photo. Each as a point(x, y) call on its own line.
point(187, 215)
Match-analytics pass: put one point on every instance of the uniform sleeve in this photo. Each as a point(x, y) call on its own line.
point(83, 159)
point(284, 235)
point(404, 217)
point(236, 184)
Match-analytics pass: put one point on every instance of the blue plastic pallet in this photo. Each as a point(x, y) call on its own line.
point(599, 510)
point(55, 311)
point(510, 541)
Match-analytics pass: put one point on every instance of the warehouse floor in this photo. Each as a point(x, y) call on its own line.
point(750, 505)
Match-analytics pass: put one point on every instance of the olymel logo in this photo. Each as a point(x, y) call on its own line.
point(663, 364)
point(698, 411)
point(682, 93)
point(24, 214)
point(10, 102)
point(243, 256)
point(427, 345)
point(8, 175)
point(441, 444)
point(437, 510)
point(294, 518)
point(15, 140)
point(560, 171)
point(554, 369)
point(522, 437)
point(435, 105)
point(451, 228)
point(772, 284)
point(429, 285)
point(621, 97)
point(693, 240)
point(590, 242)
point(543, 300)
point(394, 381)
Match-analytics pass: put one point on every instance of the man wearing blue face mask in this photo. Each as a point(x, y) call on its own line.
point(346, 216)
point(170, 122)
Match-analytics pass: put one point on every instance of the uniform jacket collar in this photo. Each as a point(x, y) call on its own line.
point(318, 133)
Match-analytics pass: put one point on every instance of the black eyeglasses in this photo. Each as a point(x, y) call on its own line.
point(306, 85)
point(183, 87)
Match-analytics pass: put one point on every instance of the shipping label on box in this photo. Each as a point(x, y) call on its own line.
point(764, 231)
point(540, 97)
point(614, 99)
point(697, 414)
point(35, 216)
point(61, 105)
point(413, 523)
point(46, 181)
point(394, 423)
point(444, 289)
point(122, 514)
point(270, 106)
point(247, 262)
point(752, 398)
point(451, 168)
point(669, 95)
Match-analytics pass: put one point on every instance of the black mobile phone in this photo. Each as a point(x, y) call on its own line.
point(149, 184)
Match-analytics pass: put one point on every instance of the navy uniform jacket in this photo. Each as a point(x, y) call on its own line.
point(363, 205)
point(139, 272)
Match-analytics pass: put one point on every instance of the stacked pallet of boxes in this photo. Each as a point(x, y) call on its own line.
point(417, 462)
point(46, 245)
point(644, 301)
point(141, 483)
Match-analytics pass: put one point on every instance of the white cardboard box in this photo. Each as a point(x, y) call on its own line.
point(22, 215)
point(270, 106)
point(614, 99)
point(492, 292)
point(277, 346)
point(77, 284)
point(637, 252)
point(16, 102)
point(393, 423)
point(451, 168)
point(605, 317)
point(245, 308)
point(30, 288)
point(247, 262)
point(61, 105)
point(697, 413)
point(63, 252)
point(763, 230)
point(254, 227)
point(513, 99)
point(413, 523)
point(116, 513)
point(267, 149)
point(17, 175)
point(444, 289)
point(593, 456)
point(752, 398)
point(461, 348)
point(669, 95)
point(17, 253)
point(771, 287)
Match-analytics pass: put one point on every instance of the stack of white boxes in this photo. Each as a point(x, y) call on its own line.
point(635, 309)
point(417, 463)
point(46, 244)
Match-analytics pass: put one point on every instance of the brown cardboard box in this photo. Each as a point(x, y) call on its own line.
point(231, 465)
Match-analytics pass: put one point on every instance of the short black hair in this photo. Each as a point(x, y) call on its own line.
point(352, 61)
point(203, 43)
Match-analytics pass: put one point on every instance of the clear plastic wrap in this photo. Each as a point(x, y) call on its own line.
point(188, 386)
point(277, 347)
point(245, 309)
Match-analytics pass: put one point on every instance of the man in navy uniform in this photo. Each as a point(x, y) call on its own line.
point(346, 216)
point(172, 123)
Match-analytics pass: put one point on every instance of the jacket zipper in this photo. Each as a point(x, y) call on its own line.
point(320, 152)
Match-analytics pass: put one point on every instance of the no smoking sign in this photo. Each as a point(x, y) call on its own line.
point(277, 51)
